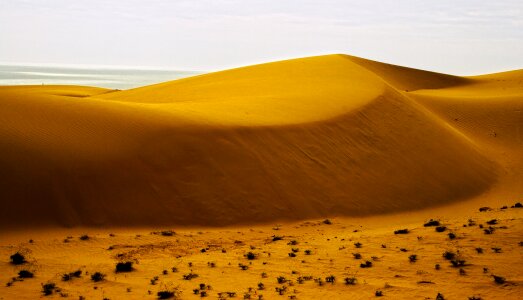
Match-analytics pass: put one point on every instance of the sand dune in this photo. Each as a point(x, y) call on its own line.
point(306, 138)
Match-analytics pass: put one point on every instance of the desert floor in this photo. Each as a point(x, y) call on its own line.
point(218, 258)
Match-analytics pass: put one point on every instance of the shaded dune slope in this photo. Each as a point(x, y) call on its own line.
point(305, 138)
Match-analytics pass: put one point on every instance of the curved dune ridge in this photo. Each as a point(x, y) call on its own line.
point(331, 135)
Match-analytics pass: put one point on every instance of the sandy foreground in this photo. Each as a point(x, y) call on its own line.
point(231, 175)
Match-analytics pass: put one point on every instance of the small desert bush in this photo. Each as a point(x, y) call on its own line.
point(18, 259)
point(71, 275)
point(499, 279)
point(367, 264)
point(96, 277)
point(124, 266)
point(441, 228)
point(49, 288)
point(190, 276)
point(350, 280)
point(250, 255)
point(401, 231)
point(432, 222)
point(25, 274)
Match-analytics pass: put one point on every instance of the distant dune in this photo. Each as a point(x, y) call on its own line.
point(332, 135)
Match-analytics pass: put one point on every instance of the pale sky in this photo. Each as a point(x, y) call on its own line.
point(451, 36)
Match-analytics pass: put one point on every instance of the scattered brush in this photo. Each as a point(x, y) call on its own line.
point(18, 259)
point(479, 250)
point(71, 275)
point(243, 267)
point(281, 279)
point(356, 255)
point(327, 222)
point(167, 294)
point(292, 254)
point(496, 250)
point(413, 258)
point(492, 222)
point(440, 297)
point(124, 267)
point(96, 277)
point(452, 235)
point(350, 280)
point(401, 231)
point(367, 264)
point(517, 205)
point(276, 238)
point(489, 230)
point(261, 286)
point(441, 228)
point(448, 255)
point(84, 237)
point(330, 279)
point(357, 245)
point(457, 263)
point(49, 288)
point(432, 222)
point(293, 243)
point(498, 279)
point(250, 255)
point(189, 276)
point(484, 209)
point(25, 274)
point(308, 252)
point(378, 293)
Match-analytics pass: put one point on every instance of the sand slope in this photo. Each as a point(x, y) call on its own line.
point(297, 139)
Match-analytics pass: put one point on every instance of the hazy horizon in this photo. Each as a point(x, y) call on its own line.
point(456, 37)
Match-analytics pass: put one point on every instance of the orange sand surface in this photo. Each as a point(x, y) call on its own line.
point(224, 157)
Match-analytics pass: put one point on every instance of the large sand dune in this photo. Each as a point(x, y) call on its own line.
point(304, 138)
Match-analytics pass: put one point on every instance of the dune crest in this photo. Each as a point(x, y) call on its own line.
point(297, 139)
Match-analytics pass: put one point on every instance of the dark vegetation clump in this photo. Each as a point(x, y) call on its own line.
point(401, 231)
point(71, 275)
point(489, 230)
point(18, 259)
point(250, 255)
point(440, 297)
point(448, 255)
point(327, 222)
point(190, 276)
point(124, 266)
point(276, 238)
point(166, 294)
point(484, 209)
point(308, 252)
point(25, 274)
point(378, 293)
point(84, 237)
point(452, 235)
point(492, 222)
point(517, 205)
point(357, 245)
point(96, 277)
point(292, 254)
point(432, 222)
point(350, 280)
point(498, 279)
point(441, 228)
point(479, 250)
point(367, 264)
point(330, 279)
point(281, 279)
point(413, 258)
point(356, 255)
point(49, 288)
point(457, 263)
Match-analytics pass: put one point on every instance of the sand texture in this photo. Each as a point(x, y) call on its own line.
point(223, 158)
